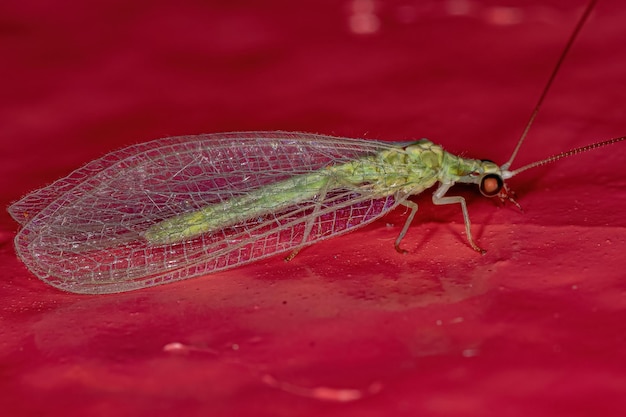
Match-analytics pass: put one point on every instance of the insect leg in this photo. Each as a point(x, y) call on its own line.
point(312, 217)
point(413, 207)
point(440, 199)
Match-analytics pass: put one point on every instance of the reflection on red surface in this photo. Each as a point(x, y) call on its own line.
point(349, 327)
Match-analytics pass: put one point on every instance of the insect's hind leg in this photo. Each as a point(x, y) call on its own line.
point(440, 199)
point(312, 217)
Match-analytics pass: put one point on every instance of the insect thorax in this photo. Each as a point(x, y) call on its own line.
point(444, 166)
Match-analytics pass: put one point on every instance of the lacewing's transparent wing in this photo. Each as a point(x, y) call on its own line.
point(84, 233)
point(31, 204)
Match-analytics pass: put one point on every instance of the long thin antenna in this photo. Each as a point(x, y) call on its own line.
point(568, 153)
point(570, 42)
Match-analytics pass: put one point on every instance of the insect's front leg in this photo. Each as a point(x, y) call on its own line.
point(440, 199)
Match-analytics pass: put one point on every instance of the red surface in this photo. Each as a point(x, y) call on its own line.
point(534, 327)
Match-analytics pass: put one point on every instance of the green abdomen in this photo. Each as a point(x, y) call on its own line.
point(402, 171)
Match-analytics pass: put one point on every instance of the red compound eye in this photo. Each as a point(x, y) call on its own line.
point(490, 185)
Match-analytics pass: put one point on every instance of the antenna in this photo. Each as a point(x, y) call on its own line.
point(568, 46)
point(566, 154)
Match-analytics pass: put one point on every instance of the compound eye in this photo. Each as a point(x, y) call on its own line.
point(490, 185)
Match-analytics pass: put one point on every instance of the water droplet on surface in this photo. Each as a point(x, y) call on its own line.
point(469, 353)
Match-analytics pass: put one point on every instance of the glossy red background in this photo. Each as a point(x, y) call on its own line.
point(535, 327)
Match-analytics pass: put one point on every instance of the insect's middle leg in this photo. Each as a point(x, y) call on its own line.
point(440, 199)
point(413, 207)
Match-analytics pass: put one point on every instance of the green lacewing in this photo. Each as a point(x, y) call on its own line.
point(181, 207)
